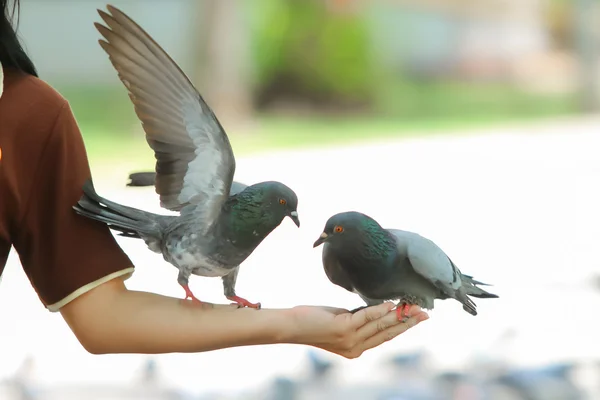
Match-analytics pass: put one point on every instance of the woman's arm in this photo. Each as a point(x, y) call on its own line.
point(113, 319)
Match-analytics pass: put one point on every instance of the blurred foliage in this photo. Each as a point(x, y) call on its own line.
point(106, 108)
point(304, 51)
point(429, 99)
point(307, 54)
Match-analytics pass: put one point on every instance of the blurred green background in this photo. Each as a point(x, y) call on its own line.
point(329, 72)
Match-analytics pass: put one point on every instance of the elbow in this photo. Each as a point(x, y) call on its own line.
point(91, 318)
point(92, 334)
point(91, 343)
point(94, 348)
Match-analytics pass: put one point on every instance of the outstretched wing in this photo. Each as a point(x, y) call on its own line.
point(194, 159)
point(428, 260)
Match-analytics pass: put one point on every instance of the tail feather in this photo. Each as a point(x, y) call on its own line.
point(127, 220)
point(471, 288)
point(129, 212)
point(473, 281)
point(468, 304)
point(142, 179)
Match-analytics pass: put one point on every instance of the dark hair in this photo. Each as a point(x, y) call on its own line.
point(12, 54)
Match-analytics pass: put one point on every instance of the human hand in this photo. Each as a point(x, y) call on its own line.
point(349, 335)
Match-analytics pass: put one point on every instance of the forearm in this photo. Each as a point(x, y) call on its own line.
point(112, 319)
point(140, 322)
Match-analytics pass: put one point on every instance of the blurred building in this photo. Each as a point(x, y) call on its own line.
point(497, 40)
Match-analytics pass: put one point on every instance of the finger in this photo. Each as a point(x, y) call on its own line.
point(370, 314)
point(393, 331)
point(379, 325)
point(383, 323)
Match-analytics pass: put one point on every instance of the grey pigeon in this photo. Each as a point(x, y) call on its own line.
point(214, 231)
point(389, 264)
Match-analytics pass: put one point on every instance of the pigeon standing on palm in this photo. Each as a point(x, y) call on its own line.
point(220, 222)
point(389, 264)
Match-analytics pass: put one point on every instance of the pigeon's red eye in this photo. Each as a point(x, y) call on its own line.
point(338, 229)
point(282, 202)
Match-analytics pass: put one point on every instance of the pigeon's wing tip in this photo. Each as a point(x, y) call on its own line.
point(105, 46)
point(107, 18)
point(116, 12)
point(102, 13)
point(101, 28)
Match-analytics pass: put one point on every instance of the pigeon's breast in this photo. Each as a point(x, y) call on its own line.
point(191, 257)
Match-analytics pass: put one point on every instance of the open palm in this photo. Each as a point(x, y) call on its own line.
point(350, 334)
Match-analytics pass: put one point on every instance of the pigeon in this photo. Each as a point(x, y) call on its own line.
point(215, 231)
point(389, 264)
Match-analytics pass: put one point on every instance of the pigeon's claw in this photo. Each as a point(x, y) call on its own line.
point(190, 295)
point(243, 302)
point(402, 311)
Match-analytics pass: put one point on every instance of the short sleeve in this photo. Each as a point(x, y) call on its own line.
point(65, 255)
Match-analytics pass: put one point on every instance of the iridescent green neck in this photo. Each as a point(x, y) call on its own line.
point(248, 223)
point(377, 243)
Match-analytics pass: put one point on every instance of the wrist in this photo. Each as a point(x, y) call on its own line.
point(282, 326)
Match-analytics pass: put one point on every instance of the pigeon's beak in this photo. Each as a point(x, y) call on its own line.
point(321, 240)
point(294, 217)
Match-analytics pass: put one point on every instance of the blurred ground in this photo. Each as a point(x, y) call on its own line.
point(516, 207)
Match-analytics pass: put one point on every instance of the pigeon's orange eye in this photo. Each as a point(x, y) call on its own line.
point(338, 229)
point(282, 202)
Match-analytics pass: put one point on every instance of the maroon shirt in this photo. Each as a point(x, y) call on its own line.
point(43, 166)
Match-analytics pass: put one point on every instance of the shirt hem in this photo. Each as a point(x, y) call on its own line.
point(92, 285)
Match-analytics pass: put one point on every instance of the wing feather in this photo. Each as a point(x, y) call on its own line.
point(194, 160)
point(428, 260)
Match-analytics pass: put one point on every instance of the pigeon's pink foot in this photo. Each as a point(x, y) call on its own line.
point(190, 295)
point(243, 302)
point(402, 311)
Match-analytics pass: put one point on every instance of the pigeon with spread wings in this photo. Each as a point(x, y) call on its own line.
point(217, 227)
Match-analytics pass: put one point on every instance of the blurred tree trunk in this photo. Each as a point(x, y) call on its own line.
point(587, 48)
point(223, 63)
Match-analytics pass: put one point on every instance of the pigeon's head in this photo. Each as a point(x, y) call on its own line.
point(279, 199)
point(344, 227)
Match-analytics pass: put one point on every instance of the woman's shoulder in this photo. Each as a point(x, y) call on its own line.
point(30, 92)
point(31, 111)
point(30, 108)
